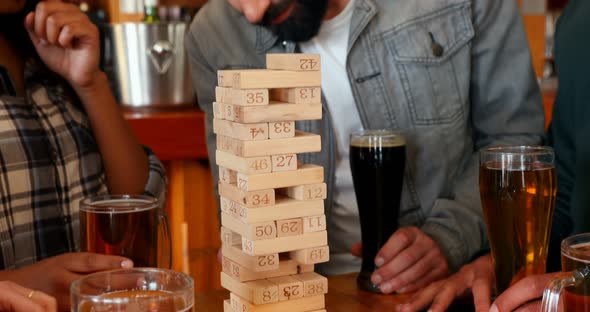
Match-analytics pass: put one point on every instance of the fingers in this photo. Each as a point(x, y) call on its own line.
point(16, 298)
point(410, 275)
point(423, 298)
point(530, 307)
point(47, 302)
point(357, 249)
point(85, 263)
point(523, 291)
point(399, 241)
point(46, 8)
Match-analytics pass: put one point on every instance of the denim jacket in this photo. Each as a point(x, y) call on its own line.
point(478, 90)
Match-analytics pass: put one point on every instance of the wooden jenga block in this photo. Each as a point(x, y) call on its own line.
point(227, 306)
point(305, 192)
point(312, 255)
point(218, 111)
point(223, 94)
point(257, 292)
point(242, 274)
point(289, 227)
point(314, 223)
point(297, 95)
point(284, 244)
point(284, 208)
point(229, 238)
point(270, 79)
point(307, 174)
point(313, 284)
point(254, 232)
point(284, 162)
point(246, 165)
point(227, 176)
point(275, 111)
point(301, 143)
point(240, 131)
point(254, 263)
point(225, 78)
point(281, 129)
point(289, 287)
point(240, 304)
point(249, 97)
point(306, 268)
point(252, 199)
point(297, 62)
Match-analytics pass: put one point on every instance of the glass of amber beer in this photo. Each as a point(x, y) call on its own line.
point(377, 161)
point(575, 284)
point(517, 188)
point(142, 289)
point(126, 225)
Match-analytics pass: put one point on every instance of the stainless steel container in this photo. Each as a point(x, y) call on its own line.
point(150, 67)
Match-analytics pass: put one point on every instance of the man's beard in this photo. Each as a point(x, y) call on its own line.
point(302, 24)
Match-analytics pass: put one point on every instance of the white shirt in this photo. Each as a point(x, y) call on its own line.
point(332, 44)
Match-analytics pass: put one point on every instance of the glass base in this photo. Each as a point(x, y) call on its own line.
point(363, 281)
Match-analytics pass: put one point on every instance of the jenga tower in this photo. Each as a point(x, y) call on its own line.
point(272, 208)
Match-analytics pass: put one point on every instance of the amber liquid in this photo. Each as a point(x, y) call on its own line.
point(130, 234)
point(518, 209)
point(577, 299)
point(137, 300)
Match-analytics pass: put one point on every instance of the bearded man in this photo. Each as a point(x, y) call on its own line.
point(454, 75)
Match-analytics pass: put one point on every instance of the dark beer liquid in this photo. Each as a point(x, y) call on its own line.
point(132, 234)
point(378, 178)
point(577, 299)
point(518, 208)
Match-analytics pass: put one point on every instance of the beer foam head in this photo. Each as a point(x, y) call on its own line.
point(383, 138)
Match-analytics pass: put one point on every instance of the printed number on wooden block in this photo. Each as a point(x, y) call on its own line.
point(284, 162)
point(289, 227)
point(313, 284)
point(288, 287)
point(255, 263)
point(281, 129)
point(307, 95)
point(310, 255)
point(227, 176)
point(229, 238)
point(252, 199)
point(251, 97)
point(314, 224)
point(306, 192)
point(265, 231)
point(288, 61)
point(240, 131)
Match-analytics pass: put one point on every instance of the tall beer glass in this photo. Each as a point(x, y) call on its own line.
point(517, 187)
point(574, 287)
point(377, 161)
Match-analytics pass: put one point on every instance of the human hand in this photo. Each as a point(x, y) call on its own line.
point(66, 41)
point(525, 295)
point(55, 275)
point(409, 261)
point(477, 277)
point(16, 298)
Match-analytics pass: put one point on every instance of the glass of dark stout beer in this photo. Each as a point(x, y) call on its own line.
point(574, 287)
point(126, 225)
point(517, 187)
point(140, 289)
point(377, 161)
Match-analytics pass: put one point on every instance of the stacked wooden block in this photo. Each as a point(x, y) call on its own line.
point(272, 207)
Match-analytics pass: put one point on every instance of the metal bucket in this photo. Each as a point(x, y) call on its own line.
point(149, 64)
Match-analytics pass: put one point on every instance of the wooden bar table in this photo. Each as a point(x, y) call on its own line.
point(343, 296)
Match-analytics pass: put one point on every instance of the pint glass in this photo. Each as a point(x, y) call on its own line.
point(575, 286)
point(377, 161)
point(517, 188)
point(126, 225)
point(141, 289)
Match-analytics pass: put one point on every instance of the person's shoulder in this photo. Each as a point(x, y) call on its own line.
point(215, 18)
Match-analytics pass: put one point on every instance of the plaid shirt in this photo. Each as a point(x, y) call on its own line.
point(49, 161)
